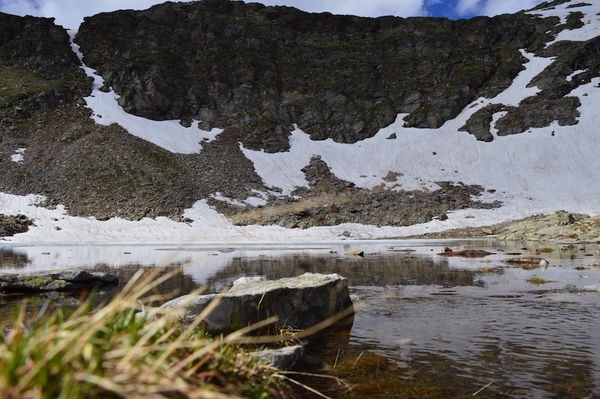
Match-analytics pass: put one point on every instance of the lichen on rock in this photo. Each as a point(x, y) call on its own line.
point(298, 302)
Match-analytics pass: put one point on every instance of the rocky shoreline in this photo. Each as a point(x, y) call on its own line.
point(560, 227)
point(63, 281)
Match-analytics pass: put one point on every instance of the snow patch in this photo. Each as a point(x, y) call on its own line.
point(170, 135)
point(520, 88)
point(255, 201)
point(571, 76)
point(251, 201)
point(261, 194)
point(220, 197)
point(18, 155)
point(591, 20)
point(495, 118)
point(207, 227)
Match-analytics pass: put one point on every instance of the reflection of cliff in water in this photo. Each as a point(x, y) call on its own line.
point(378, 270)
point(10, 259)
point(178, 284)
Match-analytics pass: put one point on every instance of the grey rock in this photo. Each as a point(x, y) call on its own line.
point(479, 123)
point(299, 302)
point(282, 358)
point(391, 176)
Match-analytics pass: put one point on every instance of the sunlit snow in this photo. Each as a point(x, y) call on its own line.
point(591, 20)
point(170, 135)
point(17, 156)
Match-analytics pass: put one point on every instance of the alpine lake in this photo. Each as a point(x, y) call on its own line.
point(426, 325)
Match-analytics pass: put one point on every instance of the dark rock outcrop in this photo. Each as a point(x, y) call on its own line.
point(465, 253)
point(479, 123)
point(534, 112)
point(60, 281)
point(11, 225)
point(37, 66)
point(233, 64)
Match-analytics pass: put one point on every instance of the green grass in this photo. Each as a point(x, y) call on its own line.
point(116, 351)
point(18, 81)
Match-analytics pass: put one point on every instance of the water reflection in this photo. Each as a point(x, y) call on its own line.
point(374, 271)
point(425, 326)
point(12, 260)
point(525, 347)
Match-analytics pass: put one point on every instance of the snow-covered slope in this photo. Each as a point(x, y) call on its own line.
point(170, 135)
point(591, 20)
point(543, 170)
point(459, 157)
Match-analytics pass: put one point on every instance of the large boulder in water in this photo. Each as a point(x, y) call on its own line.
point(298, 302)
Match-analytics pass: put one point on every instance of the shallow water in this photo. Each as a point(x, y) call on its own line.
point(425, 325)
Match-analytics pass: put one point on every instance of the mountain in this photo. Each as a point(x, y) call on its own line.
point(203, 120)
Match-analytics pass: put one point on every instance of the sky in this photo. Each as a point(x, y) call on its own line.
point(70, 13)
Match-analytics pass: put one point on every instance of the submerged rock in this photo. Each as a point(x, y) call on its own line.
point(61, 281)
point(298, 302)
point(527, 262)
point(466, 253)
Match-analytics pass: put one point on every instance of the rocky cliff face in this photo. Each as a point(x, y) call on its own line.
point(63, 154)
point(37, 67)
point(263, 68)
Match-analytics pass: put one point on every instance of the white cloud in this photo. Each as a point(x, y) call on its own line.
point(466, 7)
point(70, 13)
point(495, 7)
point(371, 8)
point(19, 7)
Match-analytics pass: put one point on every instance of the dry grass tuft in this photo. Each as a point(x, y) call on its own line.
point(122, 351)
